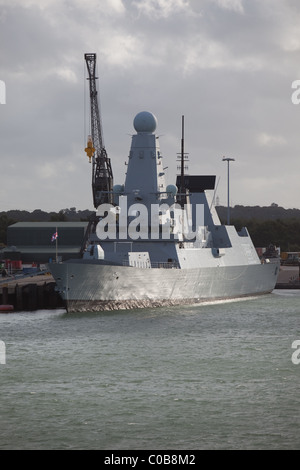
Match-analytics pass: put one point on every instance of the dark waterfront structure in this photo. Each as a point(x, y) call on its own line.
point(31, 295)
point(31, 241)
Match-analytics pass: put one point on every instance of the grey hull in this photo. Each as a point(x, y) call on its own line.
point(93, 287)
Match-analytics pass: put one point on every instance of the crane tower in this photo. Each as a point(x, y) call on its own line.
point(102, 177)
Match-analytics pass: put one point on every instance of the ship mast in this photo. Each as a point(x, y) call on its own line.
point(182, 189)
point(102, 176)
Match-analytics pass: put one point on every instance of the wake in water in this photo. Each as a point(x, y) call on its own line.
point(227, 301)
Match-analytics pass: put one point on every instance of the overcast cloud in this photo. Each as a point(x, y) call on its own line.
point(226, 65)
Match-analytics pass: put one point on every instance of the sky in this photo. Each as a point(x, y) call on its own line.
point(228, 66)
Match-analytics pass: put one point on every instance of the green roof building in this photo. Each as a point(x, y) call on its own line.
point(34, 242)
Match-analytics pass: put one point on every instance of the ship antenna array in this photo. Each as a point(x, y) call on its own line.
point(102, 176)
point(183, 160)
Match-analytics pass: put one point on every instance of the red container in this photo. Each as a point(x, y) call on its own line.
point(6, 308)
point(16, 264)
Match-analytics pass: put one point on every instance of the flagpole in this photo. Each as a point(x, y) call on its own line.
point(56, 245)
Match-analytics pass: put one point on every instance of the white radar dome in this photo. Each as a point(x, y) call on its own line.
point(145, 122)
point(172, 189)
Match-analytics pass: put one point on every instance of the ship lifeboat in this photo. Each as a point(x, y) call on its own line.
point(6, 308)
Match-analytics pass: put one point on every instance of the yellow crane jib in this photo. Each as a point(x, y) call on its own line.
point(90, 150)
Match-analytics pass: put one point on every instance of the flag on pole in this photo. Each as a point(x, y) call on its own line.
point(54, 236)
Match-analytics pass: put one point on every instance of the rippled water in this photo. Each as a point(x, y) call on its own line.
point(213, 376)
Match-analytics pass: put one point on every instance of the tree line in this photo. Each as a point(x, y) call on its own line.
point(282, 233)
point(64, 215)
point(266, 225)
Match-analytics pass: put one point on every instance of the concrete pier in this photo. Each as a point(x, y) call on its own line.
point(288, 278)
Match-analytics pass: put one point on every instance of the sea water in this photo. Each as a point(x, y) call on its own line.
point(221, 375)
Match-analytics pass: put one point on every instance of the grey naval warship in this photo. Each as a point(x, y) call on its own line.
point(153, 260)
point(151, 244)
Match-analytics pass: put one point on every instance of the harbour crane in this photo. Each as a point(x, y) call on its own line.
point(102, 176)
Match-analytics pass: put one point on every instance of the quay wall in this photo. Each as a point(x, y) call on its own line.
point(288, 278)
point(31, 294)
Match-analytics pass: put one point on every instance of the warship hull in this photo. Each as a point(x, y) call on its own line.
point(89, 287)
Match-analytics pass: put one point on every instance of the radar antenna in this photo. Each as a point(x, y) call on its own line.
point(102, 177)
